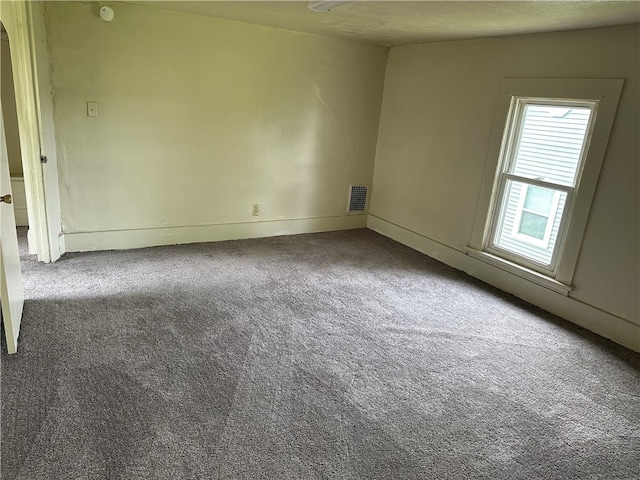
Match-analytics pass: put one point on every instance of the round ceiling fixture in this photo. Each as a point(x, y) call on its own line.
point(106, 13)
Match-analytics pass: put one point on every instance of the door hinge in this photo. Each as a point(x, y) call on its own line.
point(43, 159)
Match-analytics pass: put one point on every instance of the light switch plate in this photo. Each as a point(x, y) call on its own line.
point(92, 109)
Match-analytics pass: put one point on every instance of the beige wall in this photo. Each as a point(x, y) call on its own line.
point(9, 110)
point(437, 117)
point(201, 118)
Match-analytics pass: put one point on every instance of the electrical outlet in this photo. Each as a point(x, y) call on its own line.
point(255, 209)
point(92, 109)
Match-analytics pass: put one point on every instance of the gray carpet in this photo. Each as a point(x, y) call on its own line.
point(328, 356)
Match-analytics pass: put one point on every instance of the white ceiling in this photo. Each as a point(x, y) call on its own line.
point(401, 22)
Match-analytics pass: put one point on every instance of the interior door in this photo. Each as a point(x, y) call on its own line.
point(11, 287)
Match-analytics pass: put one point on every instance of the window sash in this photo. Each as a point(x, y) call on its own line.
point(538, 183)
point(515, 125)
point(498, 220)
point(511, 143)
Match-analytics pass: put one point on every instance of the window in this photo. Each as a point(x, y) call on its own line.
point(545, 154)
point(545, 144)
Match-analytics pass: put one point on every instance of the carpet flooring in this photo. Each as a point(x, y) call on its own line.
point(340, 355)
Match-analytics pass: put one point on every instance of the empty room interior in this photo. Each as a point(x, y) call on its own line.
point(320, 240)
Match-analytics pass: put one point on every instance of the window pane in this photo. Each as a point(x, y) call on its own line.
point(533, 225)
point(523, 232)
point(539, 199)
point(551, 143)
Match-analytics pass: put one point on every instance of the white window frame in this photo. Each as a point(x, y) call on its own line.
point(606, 93)
point(510, 144)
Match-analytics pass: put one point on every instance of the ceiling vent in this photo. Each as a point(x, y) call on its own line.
point(357, 198)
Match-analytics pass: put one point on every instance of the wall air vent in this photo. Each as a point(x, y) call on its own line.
point(357, 198)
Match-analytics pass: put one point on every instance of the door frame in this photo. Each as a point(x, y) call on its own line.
point(24, 23)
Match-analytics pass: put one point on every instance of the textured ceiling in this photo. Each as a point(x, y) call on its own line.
point(401, 22)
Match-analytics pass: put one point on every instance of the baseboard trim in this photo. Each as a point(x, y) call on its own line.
point(598, 321)
point(151, 237)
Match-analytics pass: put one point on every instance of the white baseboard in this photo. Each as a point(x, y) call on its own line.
point(605, 324)
point(150, 237)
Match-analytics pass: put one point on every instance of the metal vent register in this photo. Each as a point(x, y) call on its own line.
point(357, 198)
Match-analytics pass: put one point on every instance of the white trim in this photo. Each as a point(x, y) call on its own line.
point(511, 143)
point(31, 242)
point(148, 237)
point(623, 331)
point(16, 19)
point(519, 270)
point(46, 127)
point(493, 248)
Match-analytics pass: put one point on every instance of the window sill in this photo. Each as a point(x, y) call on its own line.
point(520, 271)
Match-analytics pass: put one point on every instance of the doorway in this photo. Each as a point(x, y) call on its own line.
point(8, 96)
point(24, 24)
point(30, 137)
